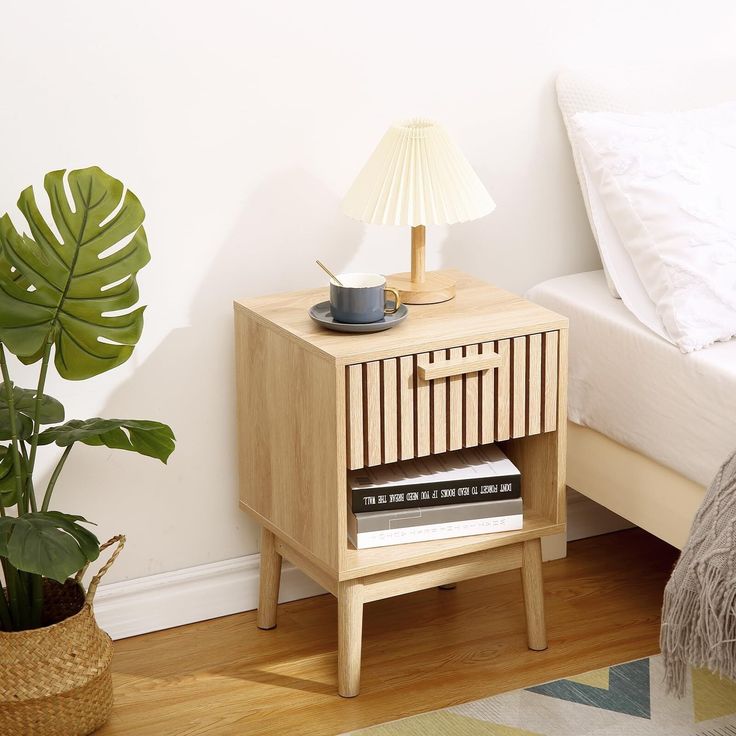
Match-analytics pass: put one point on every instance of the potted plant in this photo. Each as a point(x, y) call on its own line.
point(68, 298)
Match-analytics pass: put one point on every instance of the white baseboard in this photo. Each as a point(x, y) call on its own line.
point(586, 518)
point(169, 599)
point(554, 547)
point(199, 593)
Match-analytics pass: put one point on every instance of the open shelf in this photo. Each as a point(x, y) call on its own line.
point(360, 562)
point(536, 457)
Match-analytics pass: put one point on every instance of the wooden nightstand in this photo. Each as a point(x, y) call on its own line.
point(486, 367)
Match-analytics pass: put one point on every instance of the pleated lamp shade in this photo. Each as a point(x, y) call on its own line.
point(417, 176)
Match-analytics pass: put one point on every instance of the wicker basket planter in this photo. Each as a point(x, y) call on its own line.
point(56, 681)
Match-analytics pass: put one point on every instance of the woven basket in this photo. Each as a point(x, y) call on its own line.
point(55, 681)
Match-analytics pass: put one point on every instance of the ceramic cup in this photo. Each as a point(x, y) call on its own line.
point(362, 298)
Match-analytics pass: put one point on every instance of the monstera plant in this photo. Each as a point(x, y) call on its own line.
point(68, 296)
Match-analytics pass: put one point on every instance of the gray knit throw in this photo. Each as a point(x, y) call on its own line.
point(699, 613)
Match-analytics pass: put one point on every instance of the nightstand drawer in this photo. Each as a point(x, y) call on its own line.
point(423, 404)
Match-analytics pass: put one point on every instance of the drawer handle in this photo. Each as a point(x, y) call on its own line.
point(458, 366)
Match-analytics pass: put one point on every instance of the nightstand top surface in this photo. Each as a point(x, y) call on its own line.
point(479, 313)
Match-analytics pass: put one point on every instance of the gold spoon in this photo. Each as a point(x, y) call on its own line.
point(329, 273)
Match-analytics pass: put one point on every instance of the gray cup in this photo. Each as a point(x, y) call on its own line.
point(362, 298)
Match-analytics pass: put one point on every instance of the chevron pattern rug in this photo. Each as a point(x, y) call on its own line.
point(623, 700)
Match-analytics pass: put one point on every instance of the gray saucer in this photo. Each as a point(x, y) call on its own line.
point(320, 313)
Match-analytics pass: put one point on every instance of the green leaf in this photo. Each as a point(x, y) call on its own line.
point(48, 543)
point(65, 289)
point(25, 403)
point(136, 435)
point(8, 490)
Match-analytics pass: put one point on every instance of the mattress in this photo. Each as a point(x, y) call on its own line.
point(634, 387)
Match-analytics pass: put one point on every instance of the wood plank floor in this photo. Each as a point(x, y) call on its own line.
point(421, 651)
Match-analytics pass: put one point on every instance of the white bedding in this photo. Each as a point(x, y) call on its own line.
point(636, 388)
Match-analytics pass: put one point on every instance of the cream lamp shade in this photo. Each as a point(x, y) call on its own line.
point(418, 176)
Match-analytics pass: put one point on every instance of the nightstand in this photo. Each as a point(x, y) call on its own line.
point(487, 366)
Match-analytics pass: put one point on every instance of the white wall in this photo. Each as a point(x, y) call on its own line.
point(240, 125)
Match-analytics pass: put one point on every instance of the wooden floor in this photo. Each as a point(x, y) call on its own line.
point(421, 651)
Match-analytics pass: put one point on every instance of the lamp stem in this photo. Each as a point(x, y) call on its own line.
point(417, 254)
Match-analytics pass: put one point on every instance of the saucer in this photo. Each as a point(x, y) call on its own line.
point(321, 314)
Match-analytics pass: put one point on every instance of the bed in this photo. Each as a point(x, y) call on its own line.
point(648, 426)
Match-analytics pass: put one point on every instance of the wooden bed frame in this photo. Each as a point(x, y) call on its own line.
point(641, 490)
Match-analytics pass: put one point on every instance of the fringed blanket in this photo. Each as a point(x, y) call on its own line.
point(699, 614)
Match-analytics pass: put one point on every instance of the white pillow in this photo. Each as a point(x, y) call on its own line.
point(621, 274)
point(667, 183)
point(661, 87)
point(580, 92)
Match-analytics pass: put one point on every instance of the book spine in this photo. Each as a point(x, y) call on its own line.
point(439, 493)
point(386, 537)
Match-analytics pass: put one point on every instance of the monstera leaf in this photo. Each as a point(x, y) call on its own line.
point(137, 435)
point(65, 288)
point(47, 543)
point(24, 399)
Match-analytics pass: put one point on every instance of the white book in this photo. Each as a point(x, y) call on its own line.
point(447, 530)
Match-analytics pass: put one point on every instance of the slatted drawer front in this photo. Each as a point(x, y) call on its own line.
point(417, 405)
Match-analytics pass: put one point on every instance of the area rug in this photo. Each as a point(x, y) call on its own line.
point(624, 700)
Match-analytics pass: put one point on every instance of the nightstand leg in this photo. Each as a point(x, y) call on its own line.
point(349, 637)
point(533, 584)
point(268, 595)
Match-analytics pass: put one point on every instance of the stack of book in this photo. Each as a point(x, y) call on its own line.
point(456, 494)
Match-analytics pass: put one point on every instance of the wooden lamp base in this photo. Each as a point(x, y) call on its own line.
point(435, 288)
point(419, 287)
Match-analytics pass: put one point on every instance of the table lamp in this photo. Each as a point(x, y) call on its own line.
point(418, 176)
